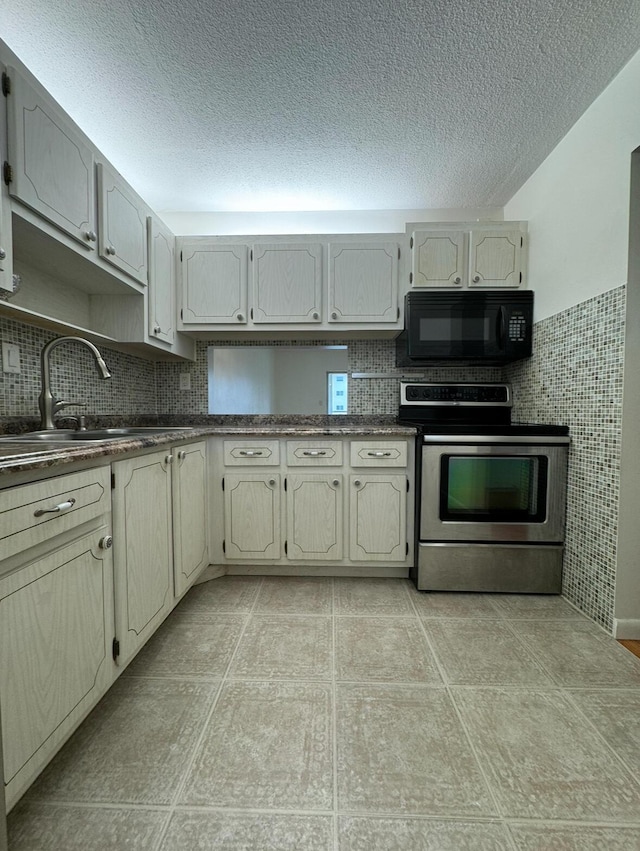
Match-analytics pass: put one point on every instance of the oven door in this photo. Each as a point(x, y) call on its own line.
point(493, 492)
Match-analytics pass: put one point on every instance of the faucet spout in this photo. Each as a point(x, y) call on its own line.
point(47, 402)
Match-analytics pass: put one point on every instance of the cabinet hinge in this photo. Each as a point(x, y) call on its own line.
point(251, 255)
point(407, 485)
point(224, 546)
point(410, 277)
point(398, 252)
point(113, 481)
point(411, 243)
point(406, 552)
point(181, 256)
point(115, 649)
point(520, 277)
point(7, 173)
point(223, 483)
point(181, 313)
point(6, 84)
point(285, 548)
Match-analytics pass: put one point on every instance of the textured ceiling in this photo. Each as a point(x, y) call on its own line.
point(324, 104)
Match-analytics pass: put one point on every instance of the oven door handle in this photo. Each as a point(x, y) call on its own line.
point(502, 326)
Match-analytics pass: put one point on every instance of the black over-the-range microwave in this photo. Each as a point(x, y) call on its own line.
point(490, 326)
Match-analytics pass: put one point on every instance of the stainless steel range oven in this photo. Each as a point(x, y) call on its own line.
point(492, 493)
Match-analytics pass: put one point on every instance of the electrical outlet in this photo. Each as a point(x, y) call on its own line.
point(185, 381)
point(10, 358)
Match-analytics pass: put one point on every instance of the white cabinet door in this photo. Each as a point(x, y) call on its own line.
point(363, 282)
point(56, 629)
point(189, 514)
point(495, 258)
point(214, 283)
point(122, 225)
point(439, 258)
point(52, 166)
point(252, 504)
point(314, 516)
point(161, 295)
point(378, 518)
point(143, 548)
point(287, 282)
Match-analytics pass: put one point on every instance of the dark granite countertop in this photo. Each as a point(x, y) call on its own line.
point(20, 456)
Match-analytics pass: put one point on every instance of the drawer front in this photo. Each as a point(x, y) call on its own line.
point(314, 453)
point(251, 453)
point(378, 453)
point(31, 514)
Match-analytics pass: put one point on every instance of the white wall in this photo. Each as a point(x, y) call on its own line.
point(335, 221)
point(577, 202)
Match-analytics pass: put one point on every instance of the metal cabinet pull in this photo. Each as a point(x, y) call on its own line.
point(313, 453)
point(57, 509)
point(111, 250)
point(379, 454)
point(182, 455)
point(90, 235)
point(168, 459)
point(249, 453)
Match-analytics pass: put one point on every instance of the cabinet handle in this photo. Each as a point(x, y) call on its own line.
point(357, 483)
point(57, 509)
point(182, 455)
point(90, 235)
point(249, 453)
point(3, 254)
point(379, 454)
point(336, 482)
point(314, 452)
point(111, 250)
point(169, 459)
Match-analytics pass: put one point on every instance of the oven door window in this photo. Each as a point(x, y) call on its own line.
point(505, 489)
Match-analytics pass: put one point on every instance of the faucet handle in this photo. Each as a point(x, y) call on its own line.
point(59, 404)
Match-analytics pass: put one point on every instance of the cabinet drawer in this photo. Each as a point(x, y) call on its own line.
point(31, 514)
point(251, 453)
point(314, 453)
point(378, 453)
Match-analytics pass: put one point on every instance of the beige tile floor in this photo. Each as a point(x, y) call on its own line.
point(353, 715)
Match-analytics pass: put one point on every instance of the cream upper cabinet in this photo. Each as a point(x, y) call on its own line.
point(189, 493)
point(52, 167)
point(122, 225)
point(455, 257)
point(162, 280)
point(6, 252)
point(214, 282)
point(287, 281)
point(363, 282)
point(143, 548)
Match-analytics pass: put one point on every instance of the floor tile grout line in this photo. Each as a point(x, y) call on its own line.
point(334, 717)
point(196, 748)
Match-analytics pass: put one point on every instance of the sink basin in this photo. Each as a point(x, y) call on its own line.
point(61, 435)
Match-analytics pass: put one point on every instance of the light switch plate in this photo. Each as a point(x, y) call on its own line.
point(185, 381)
point(10, 358)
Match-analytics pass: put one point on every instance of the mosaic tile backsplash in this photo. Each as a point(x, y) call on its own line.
point(575, 378)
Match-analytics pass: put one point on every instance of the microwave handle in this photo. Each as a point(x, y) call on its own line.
point(502, 326)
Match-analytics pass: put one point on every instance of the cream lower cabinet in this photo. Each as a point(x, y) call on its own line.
point(313, 511)
point(159, 516)
point(56, 616)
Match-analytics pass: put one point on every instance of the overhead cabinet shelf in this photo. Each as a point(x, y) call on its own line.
point(259, 284)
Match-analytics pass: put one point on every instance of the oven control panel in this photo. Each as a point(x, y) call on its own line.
point(455, 394)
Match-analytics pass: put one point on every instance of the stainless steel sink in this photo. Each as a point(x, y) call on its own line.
point(61, 435)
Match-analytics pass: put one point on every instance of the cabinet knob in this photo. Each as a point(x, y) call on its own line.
point(182, 455)
point(316, 315)
point(240, 317)
point(157, 329)
point(476, 279)
point(169, 459)
point(3, 254)
point(457, 280)
point(334, 315)
point(90, 235)
point(272, 482)
point(336, 482)
point(357, 483)
point(111, 250)
point(106, 543)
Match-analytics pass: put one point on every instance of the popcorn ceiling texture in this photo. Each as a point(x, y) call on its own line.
point(575, 378)
point(375, 105)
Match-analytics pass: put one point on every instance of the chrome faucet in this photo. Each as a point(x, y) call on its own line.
point(47, 402)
